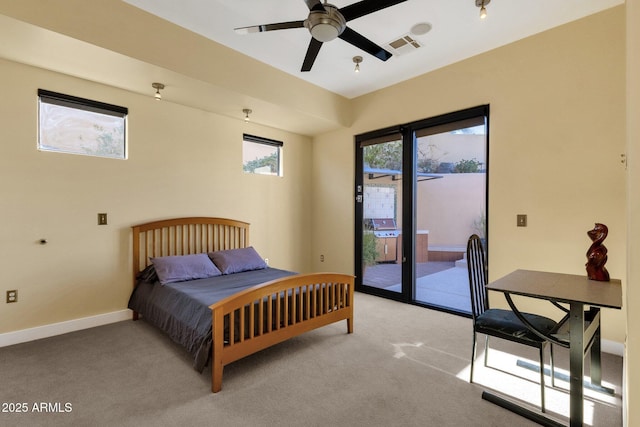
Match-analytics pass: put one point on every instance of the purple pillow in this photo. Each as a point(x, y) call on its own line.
point(179, 268)
point(237, 260)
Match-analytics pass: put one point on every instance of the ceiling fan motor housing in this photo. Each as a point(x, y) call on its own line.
point(325, 25)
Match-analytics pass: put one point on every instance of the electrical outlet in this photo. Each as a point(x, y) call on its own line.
point(102, 219)
point(12, 296)
point(321, 258)
point(521, 220)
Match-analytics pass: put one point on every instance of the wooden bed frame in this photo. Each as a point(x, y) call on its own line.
point(282, 308)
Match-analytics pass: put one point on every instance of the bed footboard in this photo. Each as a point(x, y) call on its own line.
point(275, 311)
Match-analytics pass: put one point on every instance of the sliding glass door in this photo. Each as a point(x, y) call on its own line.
point(450, 205)
point(380, 193)
point(421, 190)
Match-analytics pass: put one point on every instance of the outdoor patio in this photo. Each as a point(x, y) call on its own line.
point(438, 283)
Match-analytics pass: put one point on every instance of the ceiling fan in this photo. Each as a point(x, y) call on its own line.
point(326, 22)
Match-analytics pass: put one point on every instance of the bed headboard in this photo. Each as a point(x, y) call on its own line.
point(184, 236)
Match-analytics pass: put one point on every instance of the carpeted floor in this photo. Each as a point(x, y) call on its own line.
point(403, 366)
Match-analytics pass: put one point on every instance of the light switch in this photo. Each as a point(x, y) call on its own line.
point(102, 219)
point(522, 220)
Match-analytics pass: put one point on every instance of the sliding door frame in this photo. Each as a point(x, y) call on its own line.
point(409, 175)
point(359, 214)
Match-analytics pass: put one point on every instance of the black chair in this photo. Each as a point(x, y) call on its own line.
point(501, 323)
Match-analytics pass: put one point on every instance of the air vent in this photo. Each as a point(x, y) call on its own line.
point(403, 45)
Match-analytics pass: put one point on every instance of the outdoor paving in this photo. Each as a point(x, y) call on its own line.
point(438, 283)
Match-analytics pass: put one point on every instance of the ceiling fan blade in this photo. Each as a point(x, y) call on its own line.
point(314, 4)
point(312, 53)
point(364, 43)
point(269, 27)
point(365, 7)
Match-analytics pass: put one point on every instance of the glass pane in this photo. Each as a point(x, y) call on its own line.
point(78, 131)
point(261, 158)
point(450, 206)
point(382, 214)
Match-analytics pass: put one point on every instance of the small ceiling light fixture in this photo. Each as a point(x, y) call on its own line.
point(246, 112)
point(483, 10)
point(357, 60)
point(157, 87)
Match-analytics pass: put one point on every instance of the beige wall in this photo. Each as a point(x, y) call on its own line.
point(182, 162)
point(631, 392)
point(557, 125)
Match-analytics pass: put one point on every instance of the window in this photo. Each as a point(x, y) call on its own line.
point(68, 124)
point(261, 155)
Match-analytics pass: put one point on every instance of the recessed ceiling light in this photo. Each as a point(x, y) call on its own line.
point(421, 29)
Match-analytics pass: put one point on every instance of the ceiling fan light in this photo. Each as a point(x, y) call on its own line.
point(325, 25)
point(483, 12)
point(324, 32)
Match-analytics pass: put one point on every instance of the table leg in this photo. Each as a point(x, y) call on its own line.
point(595, 370)
point(576, 364)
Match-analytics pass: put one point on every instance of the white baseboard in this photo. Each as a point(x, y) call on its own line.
point(31, 334)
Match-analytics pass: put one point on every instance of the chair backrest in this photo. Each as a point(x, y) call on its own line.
point(477, 267)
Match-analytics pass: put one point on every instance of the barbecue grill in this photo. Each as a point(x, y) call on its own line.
point(387, 236)
point(384, 227)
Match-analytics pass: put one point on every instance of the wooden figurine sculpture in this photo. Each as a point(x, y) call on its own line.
point(597, 254)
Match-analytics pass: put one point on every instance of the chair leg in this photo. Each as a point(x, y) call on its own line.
point(542, 406)
point(473, 356)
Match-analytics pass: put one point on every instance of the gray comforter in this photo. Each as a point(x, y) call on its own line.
point(182, 309)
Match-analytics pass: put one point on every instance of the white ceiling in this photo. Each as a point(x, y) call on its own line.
point(457, 33)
